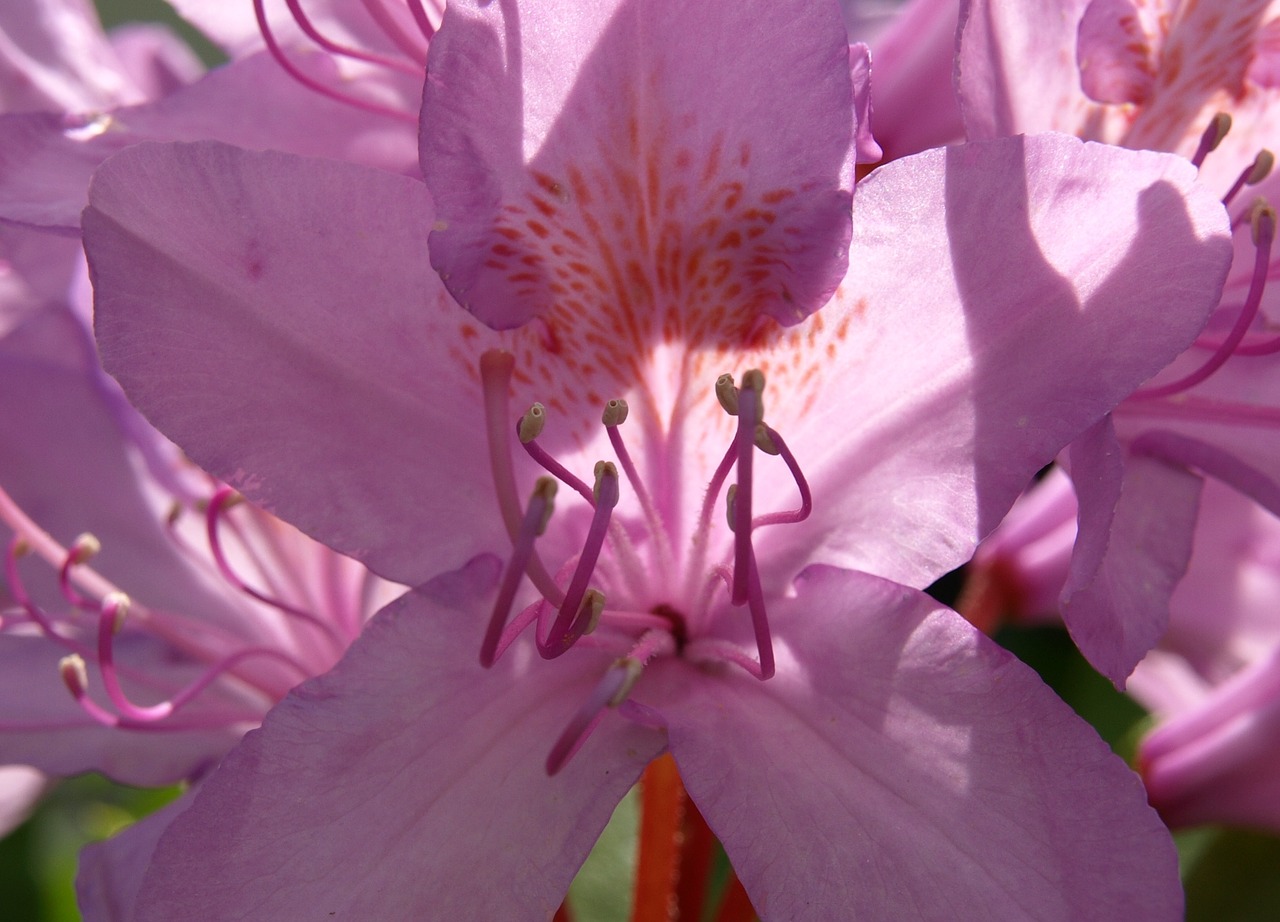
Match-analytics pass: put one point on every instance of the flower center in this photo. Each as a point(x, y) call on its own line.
point(626, 588)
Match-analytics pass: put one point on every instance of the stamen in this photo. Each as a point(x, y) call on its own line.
point(115, 608)
point(750, 413)
point(574, 618)
point(312, 84)
point(18, 547)
point(223, 500)
point(774, 445)
point(84, 548)
point(76, 677)
point(398, 36)
point(527, 431)
point(420, 17)
point(615, 414)
point(496, 367)
point(727, 394)
point(610, 692)
point(308, 28)
point(1253, 174)
point(1264, 228)
point(1217, 129)
point(759, 619)
point(536, 517)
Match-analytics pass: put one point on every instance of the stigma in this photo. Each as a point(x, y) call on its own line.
point(635, 585)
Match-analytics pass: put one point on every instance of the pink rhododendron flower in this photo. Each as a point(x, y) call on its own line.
point(227, 608)
point(628, 208)
point(1153, 75)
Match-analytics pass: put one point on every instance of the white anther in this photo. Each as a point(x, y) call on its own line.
point(730, 498)
point(1262, 165)
point(764, 441)
point(85, 547)
point(594, 599)
point(531, 423)
point(74, 673)
point(727, 394)
point(632, 669)
point(1260, 212)
point(603, 469)
point(545, 489)
point(615, 412)
point(118, 603)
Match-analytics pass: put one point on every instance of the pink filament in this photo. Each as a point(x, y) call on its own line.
point(215, 511)
point(107, 622)
point(420, 17)
point(398, 36)
point(496, 368)
point(806, 497)
point(292, 70)
point(557, 470)
point(609, 692)
point(534, 516)
point(573, 619)
point(1225, 349)
point(34, 612)
point(748, 416)
point(308, 28)
point(642, 493)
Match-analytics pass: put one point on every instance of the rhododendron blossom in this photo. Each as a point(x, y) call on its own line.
point(663, 438)
point(1195, 78)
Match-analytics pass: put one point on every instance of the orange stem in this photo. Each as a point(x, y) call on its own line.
point(662, 800)
point(736, 906)
point(563, 914)
point(695, 865)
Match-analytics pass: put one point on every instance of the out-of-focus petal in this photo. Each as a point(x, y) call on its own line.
point(55, 57)
point(46, 160)
point(20, 788)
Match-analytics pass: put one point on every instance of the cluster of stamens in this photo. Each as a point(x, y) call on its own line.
point(569, 616)
point(96, 612)
point(1261, 218)
point(410, 43)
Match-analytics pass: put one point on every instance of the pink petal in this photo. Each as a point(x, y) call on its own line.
point(54, 56)
point(155, 58)
point(1137, 517)
point(275, 316)
point(868, 151)
point(46, 160)
point(635, 167)
point(20, 788)
point(408, 783)
point(900, 764)
point(1000, 44)
point(1117, 50)
point(1001, 298)
point(111, 872)
point(915, 98)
